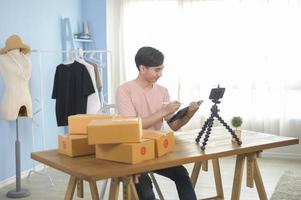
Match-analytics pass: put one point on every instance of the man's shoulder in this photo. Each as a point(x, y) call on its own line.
point(126, 86)
point(161, 88)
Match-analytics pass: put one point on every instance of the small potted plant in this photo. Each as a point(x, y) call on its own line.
point(237, 122)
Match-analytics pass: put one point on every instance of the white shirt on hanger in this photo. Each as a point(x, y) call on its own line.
point(93, 102)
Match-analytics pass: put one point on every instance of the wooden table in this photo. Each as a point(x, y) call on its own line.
point(186, 151)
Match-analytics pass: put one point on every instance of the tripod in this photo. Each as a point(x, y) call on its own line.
point(208, 125)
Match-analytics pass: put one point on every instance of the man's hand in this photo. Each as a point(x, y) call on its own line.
point(172, 107)
point(193, 107)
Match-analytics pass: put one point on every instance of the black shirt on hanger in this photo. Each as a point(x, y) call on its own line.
point(72, 85)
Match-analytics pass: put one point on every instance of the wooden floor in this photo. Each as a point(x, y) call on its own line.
point(271, 170)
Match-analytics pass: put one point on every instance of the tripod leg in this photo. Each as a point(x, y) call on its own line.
point(202, 130)
point(229, 129)
point(210, 123)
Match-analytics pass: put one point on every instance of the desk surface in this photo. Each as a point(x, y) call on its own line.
point(186, 151)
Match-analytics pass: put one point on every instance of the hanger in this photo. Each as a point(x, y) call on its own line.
point(95, 60)
point(80, 57)
point(80, 53)
point(71, 57)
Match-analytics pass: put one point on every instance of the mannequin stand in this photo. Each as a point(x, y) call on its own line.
point(18, 192)
point(208, 126)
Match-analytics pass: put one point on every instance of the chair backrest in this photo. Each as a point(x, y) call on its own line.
point(108, 109)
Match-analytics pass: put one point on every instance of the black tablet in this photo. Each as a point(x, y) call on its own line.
point(181, 113)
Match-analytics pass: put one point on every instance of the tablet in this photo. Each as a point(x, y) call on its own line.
point(181, 113)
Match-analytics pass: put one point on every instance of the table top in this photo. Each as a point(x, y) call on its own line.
point(186, 151)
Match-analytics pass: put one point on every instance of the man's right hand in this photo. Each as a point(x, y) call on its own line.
point(172, 107)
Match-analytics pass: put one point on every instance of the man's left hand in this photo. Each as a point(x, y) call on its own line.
point(193, 107)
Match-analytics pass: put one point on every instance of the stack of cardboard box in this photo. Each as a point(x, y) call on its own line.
point(115, 138)
point(75, 143)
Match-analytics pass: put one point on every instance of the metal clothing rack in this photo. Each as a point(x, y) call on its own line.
point(72, 53)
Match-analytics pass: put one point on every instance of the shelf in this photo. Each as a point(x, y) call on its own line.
point(82, 40)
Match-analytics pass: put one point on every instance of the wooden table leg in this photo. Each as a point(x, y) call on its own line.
point(80, 188)
point(93, 189)
point(134, 191)
point(114, 189)
point(259, 183)
point(217, 176)
point(218, 179)
point(195, 173)
point(129, 189)
point(205, 165)
point(250, 169)
point(126, 188)
point(70, 188)
point(236, 188)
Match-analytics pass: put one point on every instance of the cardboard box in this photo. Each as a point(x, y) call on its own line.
point(75, 145)
point(126, 152)
point(77, 124)
point(116, 130)
point(164, 142)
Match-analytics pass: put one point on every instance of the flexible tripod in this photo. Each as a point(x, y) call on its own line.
point(208, 125)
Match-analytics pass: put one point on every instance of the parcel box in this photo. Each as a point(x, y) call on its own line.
point(164, 142)
point(77, 124)
point(115, 130)
point(75, 145)
point(126, 152)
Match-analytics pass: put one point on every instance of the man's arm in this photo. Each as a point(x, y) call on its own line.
point(124, 104)
point(193, 107)
point(126, 108)
point(157, 116)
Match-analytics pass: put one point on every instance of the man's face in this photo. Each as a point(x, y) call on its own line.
point(151, 74)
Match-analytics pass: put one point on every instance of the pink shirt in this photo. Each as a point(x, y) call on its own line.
point(134, 101)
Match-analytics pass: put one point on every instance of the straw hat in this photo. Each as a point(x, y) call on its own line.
point(15, 42)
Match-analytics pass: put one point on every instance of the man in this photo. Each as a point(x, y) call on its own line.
point(144, 98)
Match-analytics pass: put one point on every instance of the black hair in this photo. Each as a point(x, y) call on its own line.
point(149, 57)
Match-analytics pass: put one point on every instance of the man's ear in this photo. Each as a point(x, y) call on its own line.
point(142, 69)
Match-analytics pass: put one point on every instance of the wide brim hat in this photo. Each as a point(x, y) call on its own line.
point(15, 42)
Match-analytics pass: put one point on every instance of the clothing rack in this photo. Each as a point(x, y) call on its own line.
point(40, 53)
point(75, 52)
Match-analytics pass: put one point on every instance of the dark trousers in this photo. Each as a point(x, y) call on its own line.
point(178, 174)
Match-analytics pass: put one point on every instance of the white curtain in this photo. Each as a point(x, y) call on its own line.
point(250, 47)
point(115, 29)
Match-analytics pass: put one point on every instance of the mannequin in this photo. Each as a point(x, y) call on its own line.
point(15, 69)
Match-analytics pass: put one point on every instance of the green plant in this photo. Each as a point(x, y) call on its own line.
point(236, 121)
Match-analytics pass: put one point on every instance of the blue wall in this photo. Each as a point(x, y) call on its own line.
point(38, 23)
point(94, 11)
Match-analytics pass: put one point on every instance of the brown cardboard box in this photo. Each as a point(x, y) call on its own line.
point(164, 142)
point(77, 124)
point(75, 145)
point(116, 130)
point(126, 152)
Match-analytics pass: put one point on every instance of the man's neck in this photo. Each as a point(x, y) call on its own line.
point(143, 83)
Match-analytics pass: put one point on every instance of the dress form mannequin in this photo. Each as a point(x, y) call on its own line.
point(15, 68)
